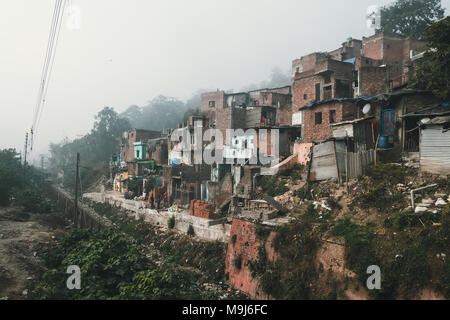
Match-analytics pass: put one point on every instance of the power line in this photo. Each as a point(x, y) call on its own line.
point(51, 68)
point(47, 68)
point(47, 53)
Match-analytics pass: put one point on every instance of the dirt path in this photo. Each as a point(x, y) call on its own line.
point(23, 237)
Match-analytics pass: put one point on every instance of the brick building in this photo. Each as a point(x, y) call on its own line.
point(374, 65)
point(132, 139)
point(234, 110)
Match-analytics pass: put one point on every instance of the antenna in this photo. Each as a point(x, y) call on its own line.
point(373, 17)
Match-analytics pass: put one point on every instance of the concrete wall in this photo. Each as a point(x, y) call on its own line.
point(202, 227)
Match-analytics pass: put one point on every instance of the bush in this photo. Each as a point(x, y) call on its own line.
point(261, 231)
point(171, 222)
point(353, 234)
point(11, 174)
point(380, 197)
point(238, 262)
point(273, 186)
point(163, 282)
point(233, 239)
point(32, 200)
point(388, 172)
point(108, 261)
point(258, 267)
point(190, 230)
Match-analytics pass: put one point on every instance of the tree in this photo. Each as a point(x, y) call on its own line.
point(10, 174)
point(161, 113)
point(108, 129)
point(96, 149)
point(410, 17)
point(277, 78)
point(133, 113)
point(433, 71)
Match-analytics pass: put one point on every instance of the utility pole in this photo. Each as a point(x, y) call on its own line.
point(76, 189)
point(25, 158)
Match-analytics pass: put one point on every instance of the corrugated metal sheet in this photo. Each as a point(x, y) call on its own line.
point(323, 166)
point(343, 131)
point(435, 150)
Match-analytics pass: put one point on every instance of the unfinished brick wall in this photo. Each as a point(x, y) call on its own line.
point(284, 115)
point(372, 80)
point(345, 110)
point(393, 51)
point(348, 50)
point(202, 209)
point(246, 246)
point(218, 97)
point(304, 91)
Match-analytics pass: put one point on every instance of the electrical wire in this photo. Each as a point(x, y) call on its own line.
point(47, 68)
point(50, 71)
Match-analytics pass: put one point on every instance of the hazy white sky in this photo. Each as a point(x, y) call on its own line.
point(128, 52)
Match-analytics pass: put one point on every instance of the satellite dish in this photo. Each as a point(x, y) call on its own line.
point(125, 135)
point(373, 17)
point(366, 108)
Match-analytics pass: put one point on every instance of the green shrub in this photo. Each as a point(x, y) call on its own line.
point(33, 200)
point(190, 230)
point(304, 193)
point(273, 186)
point(261, 231)
point(238, 261)
point(380, 197)
point(108, 261)
point(163, 282)
point(258, 267)
point(388, 172)
point(233, 239)
point(171, 222)
point(353, 234)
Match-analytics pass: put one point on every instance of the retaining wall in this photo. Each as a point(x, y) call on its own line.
point(204, 228)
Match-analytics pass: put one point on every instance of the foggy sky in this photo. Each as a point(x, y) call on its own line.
point(128, 52)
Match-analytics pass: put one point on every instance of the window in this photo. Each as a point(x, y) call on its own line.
point(327, 93)
point(137, 153)
point(318, 117)
point(317, 91)
point(332, 116)
point(305, 96)
point(212, 104)
point(327, 78)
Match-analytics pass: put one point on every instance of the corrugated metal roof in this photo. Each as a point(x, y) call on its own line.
point(435, 150)
point(320, 102)
point(378, 97)
point(438, 120)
